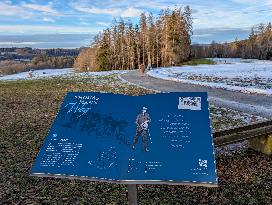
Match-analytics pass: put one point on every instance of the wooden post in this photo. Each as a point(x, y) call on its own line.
point(132, 194)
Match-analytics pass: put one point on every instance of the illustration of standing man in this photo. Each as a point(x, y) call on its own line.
point(142, 122)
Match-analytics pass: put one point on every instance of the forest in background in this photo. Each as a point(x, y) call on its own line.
point(257, 46)
point(164, 40)
point(14, 60)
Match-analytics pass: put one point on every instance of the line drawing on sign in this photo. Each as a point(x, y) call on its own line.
point(106, 160)
point(100, 125)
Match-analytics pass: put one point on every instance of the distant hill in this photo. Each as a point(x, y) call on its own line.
point(46, 41)
point(14, 60)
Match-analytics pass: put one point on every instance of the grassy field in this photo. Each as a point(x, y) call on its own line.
point(199, 61)
point(27, 110)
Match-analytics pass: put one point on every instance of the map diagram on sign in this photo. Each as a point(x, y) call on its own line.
point(156, 138)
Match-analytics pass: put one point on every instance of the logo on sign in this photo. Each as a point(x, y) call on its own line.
point(189, 103)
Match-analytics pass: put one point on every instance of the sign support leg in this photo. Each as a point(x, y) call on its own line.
point(132, 194)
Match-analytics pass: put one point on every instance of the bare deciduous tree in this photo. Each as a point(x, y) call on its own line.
point(161, 41)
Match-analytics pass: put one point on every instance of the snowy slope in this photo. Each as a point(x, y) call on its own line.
point(249, 76)
point(48, 73)
point(238, 60)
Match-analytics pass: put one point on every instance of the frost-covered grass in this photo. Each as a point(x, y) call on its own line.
point(248, 76)
point(51, 73)
point(223, 119)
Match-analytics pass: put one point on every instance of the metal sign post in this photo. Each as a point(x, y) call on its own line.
point(132, 194)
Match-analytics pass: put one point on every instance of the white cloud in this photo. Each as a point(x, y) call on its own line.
point(43, 8)
point(128, 11)
point(250, 2)
point(202, 35)
point(255, 5)
point(46, 19)
point(7, 9)
point(100, 23)
point(27, 11)
point(131, 12)
point(210, 14)
point(245, 1)
point(46, 29)
point(96, 10)
point(83, 23)
point(217, 17)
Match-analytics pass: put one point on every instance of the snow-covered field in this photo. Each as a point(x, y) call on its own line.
point(48, 73)
point(248, 76)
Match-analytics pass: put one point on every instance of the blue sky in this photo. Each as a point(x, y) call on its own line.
point(221, 20)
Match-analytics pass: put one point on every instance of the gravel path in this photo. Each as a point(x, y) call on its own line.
point(250, 103)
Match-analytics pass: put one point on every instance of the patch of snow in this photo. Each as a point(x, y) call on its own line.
point(254, 76)
point(48, 73)
point(237, 60)
point(266, 112)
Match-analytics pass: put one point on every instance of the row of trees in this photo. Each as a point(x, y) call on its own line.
point(161, 41)
point(10, 67)
point(38, 62)
point(45, 61)
point(258, 45)
point(28, 51)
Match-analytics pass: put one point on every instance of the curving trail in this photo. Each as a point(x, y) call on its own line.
point(250, 103)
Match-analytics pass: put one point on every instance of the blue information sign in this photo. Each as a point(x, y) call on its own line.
point(152, 139)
